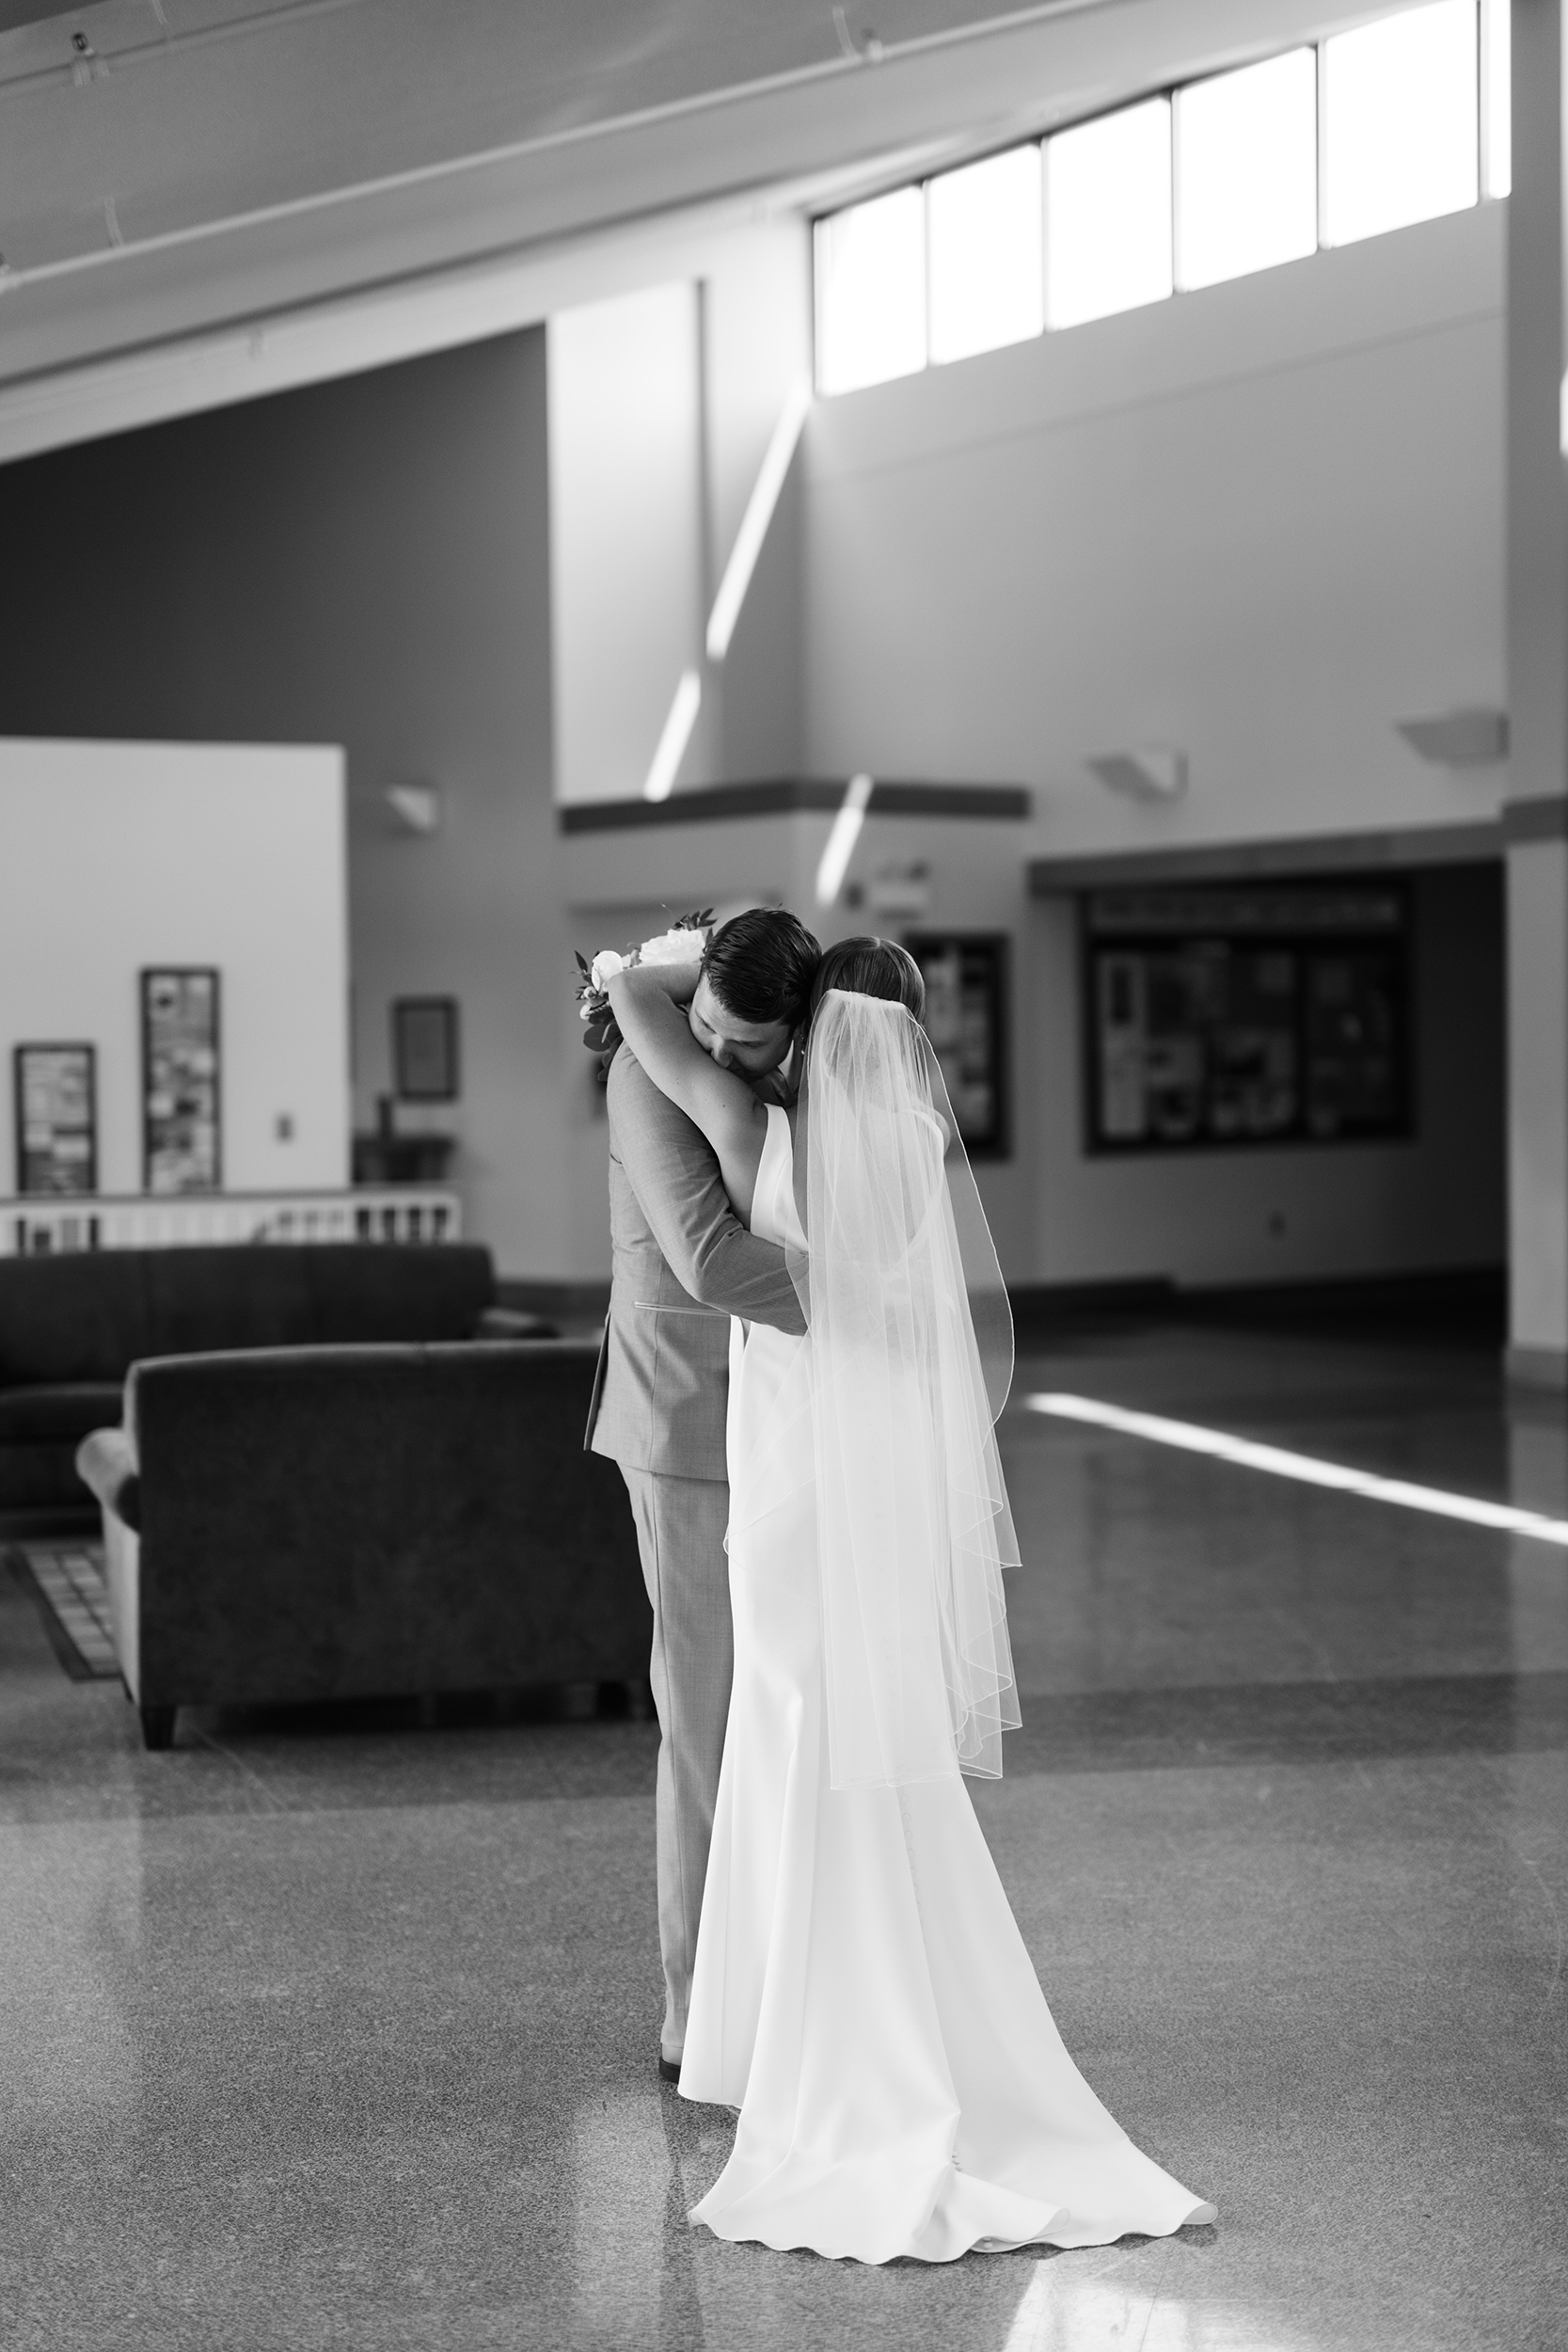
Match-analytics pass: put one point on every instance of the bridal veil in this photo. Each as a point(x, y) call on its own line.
point(909, 1339)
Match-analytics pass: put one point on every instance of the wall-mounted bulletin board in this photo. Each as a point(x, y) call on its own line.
point(56, 1119)
point(967, 1016)
point(182, 1137)
point(1240, 1014)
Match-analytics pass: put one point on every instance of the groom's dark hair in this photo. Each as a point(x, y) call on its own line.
point(760, 965)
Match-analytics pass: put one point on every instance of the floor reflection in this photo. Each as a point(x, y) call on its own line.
point(70, 1930)
point(625, 2185)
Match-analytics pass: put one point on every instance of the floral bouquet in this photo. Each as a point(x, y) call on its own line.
point(685, 942)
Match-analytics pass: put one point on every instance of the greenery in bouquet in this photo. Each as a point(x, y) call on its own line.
point(685, 942)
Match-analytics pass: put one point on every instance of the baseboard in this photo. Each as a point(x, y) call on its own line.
point(1470, 1302)
point(1051, 1302)
point(1445, 1291)
point(1527, 1366)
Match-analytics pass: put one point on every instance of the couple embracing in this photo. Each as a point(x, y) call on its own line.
point(807, 1348)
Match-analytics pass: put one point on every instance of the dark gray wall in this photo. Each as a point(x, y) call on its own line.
point(363, 562)
point(1461, 1047)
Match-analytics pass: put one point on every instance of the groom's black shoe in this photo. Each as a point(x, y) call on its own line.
point(668, 2069)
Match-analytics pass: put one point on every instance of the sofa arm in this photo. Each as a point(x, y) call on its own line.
point(106, 1461)
point(513, 1323)
point(333, 1523)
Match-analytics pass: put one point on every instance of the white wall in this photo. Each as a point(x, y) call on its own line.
point(1260, 523)
point(1538, 708)
point(363, 562)
point(114, 856)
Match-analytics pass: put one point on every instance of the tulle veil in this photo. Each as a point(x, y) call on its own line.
point(910, 1342)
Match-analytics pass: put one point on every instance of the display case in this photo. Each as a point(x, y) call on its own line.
point(1244, 1014)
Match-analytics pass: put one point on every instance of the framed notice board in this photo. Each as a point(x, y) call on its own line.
point(967, 1020)
point(181, 1146)
point(56, 1119)
point(1243, 1015)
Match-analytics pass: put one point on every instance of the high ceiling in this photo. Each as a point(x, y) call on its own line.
point(185, 112)
point(173, 166)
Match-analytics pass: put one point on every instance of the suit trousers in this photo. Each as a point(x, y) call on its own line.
point(680, 1534)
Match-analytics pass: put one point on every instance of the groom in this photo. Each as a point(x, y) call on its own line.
point(683, 1264)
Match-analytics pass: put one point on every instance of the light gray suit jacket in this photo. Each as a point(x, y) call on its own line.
point(683, 1264)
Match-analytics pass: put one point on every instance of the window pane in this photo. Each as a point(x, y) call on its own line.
point(1400, 121)
point(1246, 170)
point(1498, 121)
point(983, 229)
point(1107, 214)
point(871, 292)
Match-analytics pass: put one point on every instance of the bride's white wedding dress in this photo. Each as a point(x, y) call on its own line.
point(862, 1991)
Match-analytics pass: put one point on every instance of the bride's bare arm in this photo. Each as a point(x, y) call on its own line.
point(654, 1026)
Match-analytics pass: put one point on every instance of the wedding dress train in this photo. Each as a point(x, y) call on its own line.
point(862, 1991)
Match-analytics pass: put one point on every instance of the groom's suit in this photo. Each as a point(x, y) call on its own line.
point(683, 1264)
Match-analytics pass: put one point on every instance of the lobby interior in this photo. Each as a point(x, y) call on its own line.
point(477, 486)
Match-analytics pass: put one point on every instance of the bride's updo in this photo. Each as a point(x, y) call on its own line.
point(871, 967)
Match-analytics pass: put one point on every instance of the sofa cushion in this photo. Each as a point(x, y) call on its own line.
point(39, 1432)
point(40, 1478)
point(434, 1293)
point(59, 1416)
point(72, 1317)
point(195, 1300)
point(90, 1316)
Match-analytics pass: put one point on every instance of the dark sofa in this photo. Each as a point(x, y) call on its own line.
point(339, 1523)
point(72, 1326)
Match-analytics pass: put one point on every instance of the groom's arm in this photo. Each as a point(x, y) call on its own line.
point(671, 1167)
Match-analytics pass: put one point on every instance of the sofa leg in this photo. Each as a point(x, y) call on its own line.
point(157, 1726)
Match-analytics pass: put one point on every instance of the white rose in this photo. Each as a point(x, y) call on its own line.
point(674, 947)
point(605, 966)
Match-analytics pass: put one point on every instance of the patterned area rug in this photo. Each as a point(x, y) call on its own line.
point(66, 1578)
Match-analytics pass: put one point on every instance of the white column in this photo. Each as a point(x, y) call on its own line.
point(627, 589)
point(1537, 817)
point(756, 349)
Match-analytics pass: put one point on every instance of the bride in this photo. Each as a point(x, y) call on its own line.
point(861, 1992)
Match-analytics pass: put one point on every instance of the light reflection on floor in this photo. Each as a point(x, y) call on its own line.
point(346, 2036)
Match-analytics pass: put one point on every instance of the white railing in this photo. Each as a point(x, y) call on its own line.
point(31, 1227)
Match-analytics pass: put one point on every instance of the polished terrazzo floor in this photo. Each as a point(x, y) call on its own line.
point(342, 2033)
